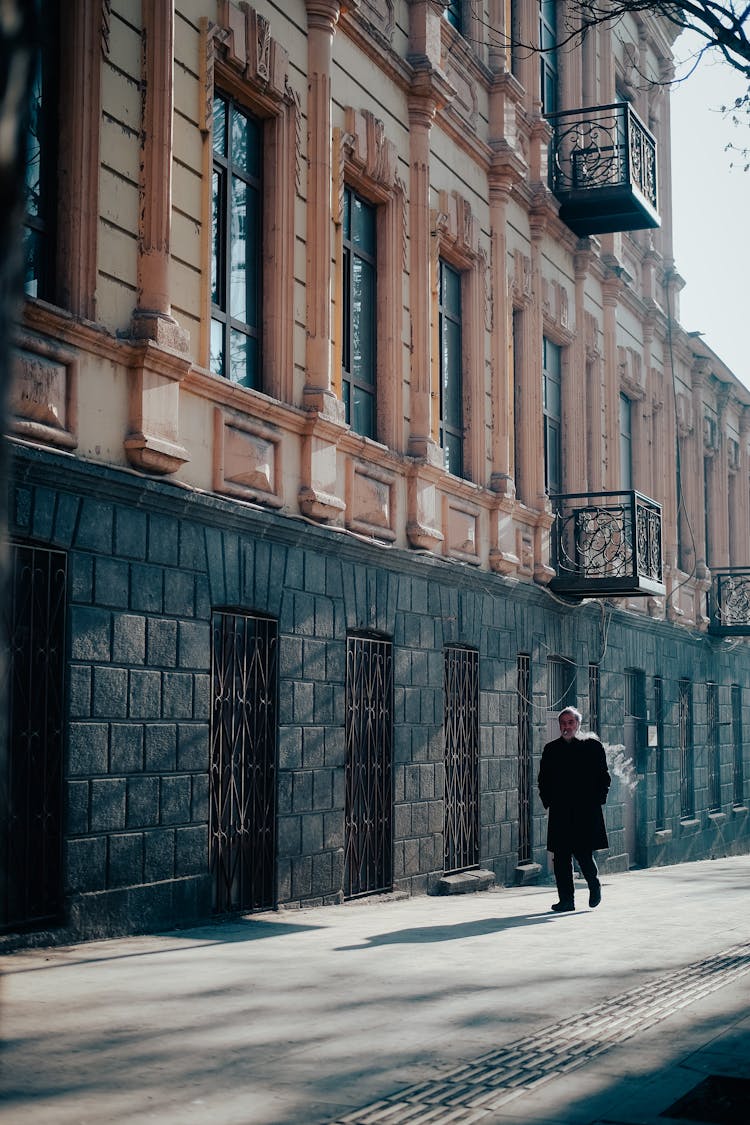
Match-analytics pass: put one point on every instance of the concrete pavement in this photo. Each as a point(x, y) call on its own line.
point(479, 1008)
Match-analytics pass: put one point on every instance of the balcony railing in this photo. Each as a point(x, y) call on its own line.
point(729, 601)
point(602, 168)
point(606, 543)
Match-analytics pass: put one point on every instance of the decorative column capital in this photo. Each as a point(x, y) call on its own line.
point(323, 14)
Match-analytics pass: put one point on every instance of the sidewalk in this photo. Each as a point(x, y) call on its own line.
point(481, 1008)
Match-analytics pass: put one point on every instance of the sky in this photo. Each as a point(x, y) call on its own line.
point(711, 211)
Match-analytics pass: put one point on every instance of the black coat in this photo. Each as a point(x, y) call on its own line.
point(573, 785)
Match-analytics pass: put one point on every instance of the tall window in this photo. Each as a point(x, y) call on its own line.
point(561, 683)
point(236, 244)
point(738, 796)
point(687, 789)
point(359, 329)
point(451, 382)
point(714, 747)
point(552, 402)
point(626, 442)
point(594, 699)
point(548, 55)
point(453, 13)
point(41, 166)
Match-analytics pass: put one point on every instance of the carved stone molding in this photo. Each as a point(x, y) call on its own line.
point(556, 305)
point(247, 458)
point(153, 443)
point(632, 372)
point(247, 47)
point(522, 278)
point(370, 500)
point(44, 391)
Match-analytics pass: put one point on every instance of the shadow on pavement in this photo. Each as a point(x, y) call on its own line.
point(420, 935)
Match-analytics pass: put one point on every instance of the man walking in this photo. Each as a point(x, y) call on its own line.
point(573, 785)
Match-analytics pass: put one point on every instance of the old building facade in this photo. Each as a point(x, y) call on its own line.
point(354, 433)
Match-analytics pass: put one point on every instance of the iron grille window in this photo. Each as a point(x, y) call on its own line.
point(451, 370)
point(525, 841)
point(594, 698)
point(236, 244)
point(242, 811)
point(368, 727)
point(738, 772)
point(659, 709)
point(552, 400)
point(561, 683)
point(714, 748)
point(41, 164)
point(549, 77)
point(461, 735)
point(359, 329)
point(687, 787)
point(31, 837)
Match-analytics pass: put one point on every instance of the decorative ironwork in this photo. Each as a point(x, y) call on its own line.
point(714, 748)
point(461, 734)
point(561, 683)
point(525, 842)
point(607, 543)
point(594, 698)
point(729, 601)
point(368, 724)
point(242, 816)
point(738, 778)
point(687, 787)
point(602, 166)
point(31, 839)
point(659, 709)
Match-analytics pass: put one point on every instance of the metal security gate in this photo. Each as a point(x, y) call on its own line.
point(368, 726)
point(242, 817)
point(31, 842)
point(461, 733)
point(524, 759)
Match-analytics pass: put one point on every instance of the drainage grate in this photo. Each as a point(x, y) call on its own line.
point(715, 1101)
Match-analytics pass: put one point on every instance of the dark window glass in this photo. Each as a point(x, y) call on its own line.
point(626, 442)
point(41, 167)
point(453, 14)
point(552, 405)
point(359, 329)
point(548, 56)
point(236, 244)
point(451, 374)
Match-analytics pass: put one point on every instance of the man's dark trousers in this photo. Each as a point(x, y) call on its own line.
point(563, 868)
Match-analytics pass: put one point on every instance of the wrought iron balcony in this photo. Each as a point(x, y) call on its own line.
point(606, 543)
point(729, 601)
point(602, 168)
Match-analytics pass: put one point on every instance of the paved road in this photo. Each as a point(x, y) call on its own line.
point(448, 1011)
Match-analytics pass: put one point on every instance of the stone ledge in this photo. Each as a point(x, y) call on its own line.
point(465, 883)
point(526, 873)
point(689, 825)
point(739, 810)
point(716, 817)
point(662, 835)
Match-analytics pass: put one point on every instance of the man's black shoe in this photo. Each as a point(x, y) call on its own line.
point(562, 907)
point(595, 895)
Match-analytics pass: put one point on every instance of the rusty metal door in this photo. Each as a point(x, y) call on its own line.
point(242, 817)
point(368, 723)
point(31, 841)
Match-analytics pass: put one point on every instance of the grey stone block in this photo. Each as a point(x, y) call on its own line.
point(161, 643)
point(322, 790)
point(177, 695)
point(192, 746)
point(125, 864)
point(192, 546)
point(163, 540)
point(202, 598)
point(110, 696)
point(125, 748)
point(81, 578)
point(112, 583)
point(201, 696)
point(158, 855)
point(142, 802)
point(313, 747)
point(333, 829)
point(324, 617)
point(312, 833)
point(199, 800)
point(86, 864)
point(284, 793)
point(145, 695)
point(146, 589)
point(289, 836)
point(21, 508)
point(194, 647)
point(175, 800)
point(302, 791)
point(161, 747)
point(88, 749)
point(66, 518)
point(191, 850)
point(108, 804)
point(79, 691)
point(335, 746)
point(304, 614)
point(290, 748)
point(322, 868)
point(304, 703)
point(179, 593)
point(95, 527)
point(77, 807)
point(130, 533)
point(129, 639)
point(324, 700)
point(91, 633)
point(302, 877)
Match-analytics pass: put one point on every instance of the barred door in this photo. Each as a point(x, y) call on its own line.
point(461, 732)
point(524, 758)
point(242, 818)
point(31, 843)
point(368, 725)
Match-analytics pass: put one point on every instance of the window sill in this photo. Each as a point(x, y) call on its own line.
point(689, 825)
point(717, 817)
point(662, 835)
